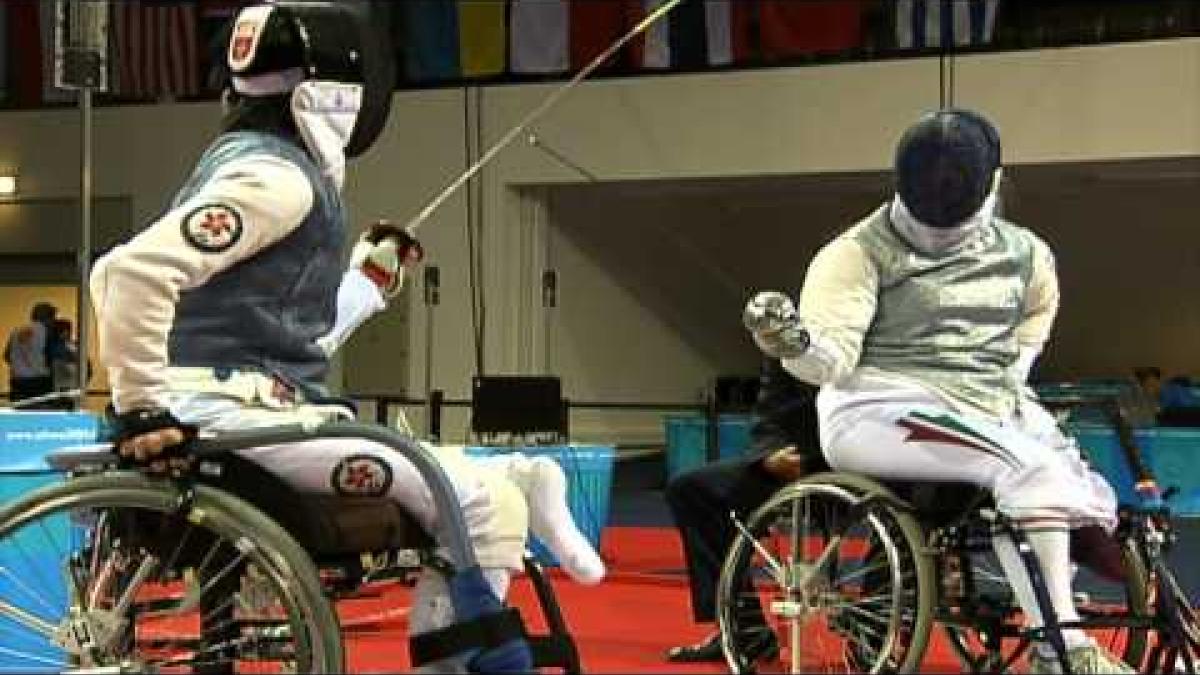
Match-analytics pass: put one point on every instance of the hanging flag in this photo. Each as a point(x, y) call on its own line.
point(593, 26)
point(429, 40)
point(221, 9)
point(788, 28)
point(676, 40)
point(538, 37)
point(4, 79)
point(156, 52)
point(47, 20)
point(656, 39)
point(729, 31)
point(25, 53)
point(482, 37)
point(688, 35)
point(942, 23)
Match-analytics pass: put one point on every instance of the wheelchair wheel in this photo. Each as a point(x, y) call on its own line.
point(984, 630)
point(1177, 644)
point(818, 582)
point(124, 573)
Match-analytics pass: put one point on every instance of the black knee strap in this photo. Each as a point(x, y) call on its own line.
point(482, 633)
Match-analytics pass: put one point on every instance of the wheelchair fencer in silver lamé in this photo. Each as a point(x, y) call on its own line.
point(839, 573)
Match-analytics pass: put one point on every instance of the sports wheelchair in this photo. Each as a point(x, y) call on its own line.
point(840, 573)
point(227, 569)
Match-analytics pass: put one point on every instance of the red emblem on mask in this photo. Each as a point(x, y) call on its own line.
point(243, 43)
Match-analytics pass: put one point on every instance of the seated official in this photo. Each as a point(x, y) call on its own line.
point(784, 447)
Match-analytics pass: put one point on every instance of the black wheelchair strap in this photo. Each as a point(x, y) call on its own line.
point(484, 633)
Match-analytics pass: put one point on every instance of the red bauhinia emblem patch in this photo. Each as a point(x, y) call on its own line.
point(212, 228)
point(362, 476)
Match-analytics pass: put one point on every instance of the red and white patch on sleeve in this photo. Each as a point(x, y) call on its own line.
point(212, 228)
point(361, 476)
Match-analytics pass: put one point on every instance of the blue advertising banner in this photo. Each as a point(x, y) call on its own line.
point(26, 437)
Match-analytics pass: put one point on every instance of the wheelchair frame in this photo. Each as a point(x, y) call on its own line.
point(198, 496)
point(1145, 536)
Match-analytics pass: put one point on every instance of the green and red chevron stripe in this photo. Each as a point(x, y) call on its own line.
point(948, 429)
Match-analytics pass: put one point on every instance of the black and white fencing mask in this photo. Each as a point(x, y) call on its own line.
point(333, 57)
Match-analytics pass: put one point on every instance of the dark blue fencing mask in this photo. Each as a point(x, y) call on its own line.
point(945, 166)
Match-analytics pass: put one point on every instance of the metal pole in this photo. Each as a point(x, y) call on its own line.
point(432, 298)
point(83, 318)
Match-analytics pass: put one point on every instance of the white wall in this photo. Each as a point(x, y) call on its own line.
point(1132, 100)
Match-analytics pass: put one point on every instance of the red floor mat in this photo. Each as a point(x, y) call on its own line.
point(624, 625)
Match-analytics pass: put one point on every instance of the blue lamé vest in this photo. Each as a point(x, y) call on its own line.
point(266, 312)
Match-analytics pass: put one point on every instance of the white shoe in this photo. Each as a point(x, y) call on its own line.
point(544, 484)
point(1084, 660)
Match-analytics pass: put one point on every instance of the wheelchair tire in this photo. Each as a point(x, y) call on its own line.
point(980, 653)
point(857, 577)
point(65, 528)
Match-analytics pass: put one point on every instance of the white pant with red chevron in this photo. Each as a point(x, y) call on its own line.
point(1032, 469)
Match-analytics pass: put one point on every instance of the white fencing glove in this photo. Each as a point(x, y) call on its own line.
point(383, 252)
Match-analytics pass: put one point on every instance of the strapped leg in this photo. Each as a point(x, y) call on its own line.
point(459, 624)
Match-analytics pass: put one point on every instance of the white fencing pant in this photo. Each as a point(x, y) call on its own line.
point(1035, 474)
point(1032, 469)
point(494, 509)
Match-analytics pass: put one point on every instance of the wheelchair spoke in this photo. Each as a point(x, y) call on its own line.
point(178, 550)
point(778, 572)
point(850, 603)
point(861, 572)
point(125, 602)
point(33, 658)
point(28, 592)
point(27, 619)
point(31, 566)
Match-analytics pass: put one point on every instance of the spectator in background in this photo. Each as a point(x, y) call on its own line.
point(1147, 401)
point(62, 353)
point(26, 355)
point(1177, 393)
point(1179, 405)
point(1172, 403)
point(784, 447)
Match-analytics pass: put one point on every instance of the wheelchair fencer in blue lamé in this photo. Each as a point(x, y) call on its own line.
point(254, 498)
point(228, 569)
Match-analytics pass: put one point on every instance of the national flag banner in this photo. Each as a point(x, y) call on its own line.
point(47, 25)
point(538, 42)
point(220, 9)
point(652, 48)
point(430, 40)
point(943, 23)
point(676, 40)
point(593, 26)
point(4, 57)
point(728, 27)
point(25, 53)
point(482, 37)
point(789, 28)
point(688, 35)
point(156, 49)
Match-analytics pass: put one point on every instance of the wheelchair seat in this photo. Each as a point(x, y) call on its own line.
point(327, 526)
point(940, 503)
